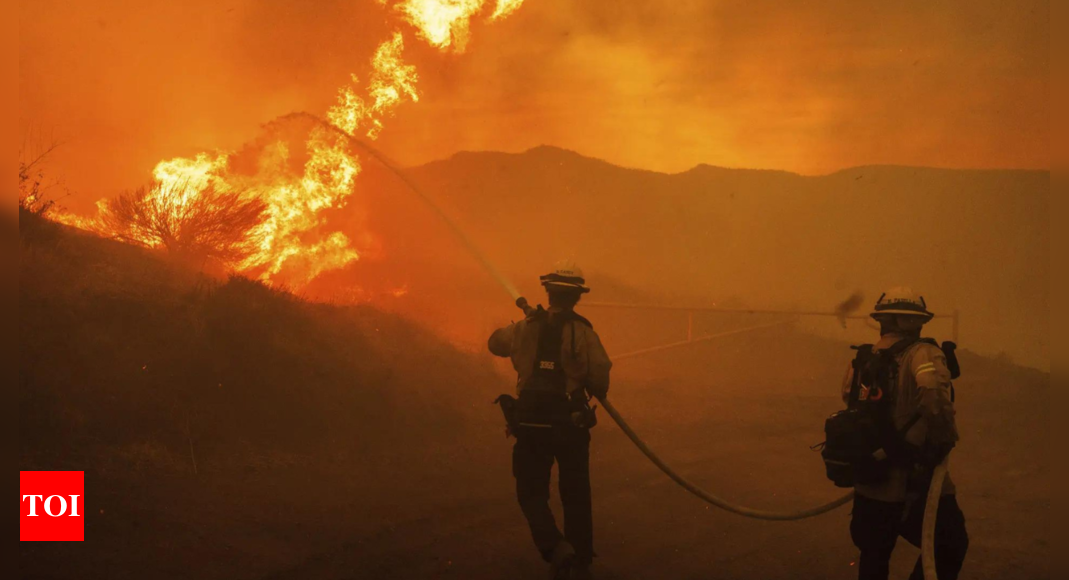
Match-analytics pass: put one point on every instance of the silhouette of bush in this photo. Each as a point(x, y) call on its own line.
point(124, 354)
point(34, 204)
point(205, 224)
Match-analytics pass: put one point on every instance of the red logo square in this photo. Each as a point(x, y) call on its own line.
point(53, 506)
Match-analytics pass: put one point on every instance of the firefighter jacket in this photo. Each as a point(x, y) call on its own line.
point(586, 364)
point(923, 385)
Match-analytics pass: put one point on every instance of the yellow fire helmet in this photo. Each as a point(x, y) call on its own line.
point(566, 274)
point(901, 300)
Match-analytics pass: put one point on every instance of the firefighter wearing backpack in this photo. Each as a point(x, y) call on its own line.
point(560, 363)
point(898, 426)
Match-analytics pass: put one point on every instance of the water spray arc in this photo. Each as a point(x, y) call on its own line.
point(928, 533)
point(522, 303)
point(396, 171)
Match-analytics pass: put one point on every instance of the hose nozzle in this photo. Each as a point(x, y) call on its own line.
point(522, 304)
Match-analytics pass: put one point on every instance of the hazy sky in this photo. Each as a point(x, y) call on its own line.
point(810, 87)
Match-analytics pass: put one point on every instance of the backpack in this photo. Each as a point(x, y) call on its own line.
point(862, 444)
point(544, 402)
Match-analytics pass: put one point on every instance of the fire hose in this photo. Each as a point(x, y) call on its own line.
point(932, 505)
point(931, 512)
point(708, 497)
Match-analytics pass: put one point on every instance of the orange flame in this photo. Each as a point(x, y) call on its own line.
point(291, 244)
point(185, 178)
point(294, 208)
point(447, 23)
point(283, 242)
point(505, 8)
point(391, 82)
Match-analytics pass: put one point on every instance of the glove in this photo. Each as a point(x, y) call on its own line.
point(933, 454)
point(597, 392)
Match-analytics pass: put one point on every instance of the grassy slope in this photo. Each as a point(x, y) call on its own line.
point(122, 353)
point(345, 442)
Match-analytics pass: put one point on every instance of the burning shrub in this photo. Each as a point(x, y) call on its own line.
point(31, 199)
point(34, 203)
point(32, 181)
point(205, 224)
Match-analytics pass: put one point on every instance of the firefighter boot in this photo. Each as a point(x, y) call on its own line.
point(581, 571)
point(563, 559)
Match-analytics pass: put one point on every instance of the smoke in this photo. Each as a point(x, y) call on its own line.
point(125, 86)
point(292, 205)
point(811, 88)
point(849, 306)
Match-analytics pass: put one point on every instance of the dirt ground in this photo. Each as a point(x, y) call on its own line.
point(449, 512)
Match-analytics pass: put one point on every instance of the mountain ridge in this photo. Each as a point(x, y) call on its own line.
point(966, 239)
point(543, 150)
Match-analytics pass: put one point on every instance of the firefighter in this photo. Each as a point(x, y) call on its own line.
point(922, 412)
point(560, 363)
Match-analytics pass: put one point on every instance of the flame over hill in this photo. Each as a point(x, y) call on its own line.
point(292, 243)
point(446, 23)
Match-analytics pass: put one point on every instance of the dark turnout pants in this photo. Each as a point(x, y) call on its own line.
point(532, 462)
point(876, 526)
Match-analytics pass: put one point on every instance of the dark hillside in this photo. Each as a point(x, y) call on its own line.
point(121, 350)
point(345, 442)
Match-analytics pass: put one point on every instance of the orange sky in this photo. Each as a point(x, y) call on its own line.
point(810, 87)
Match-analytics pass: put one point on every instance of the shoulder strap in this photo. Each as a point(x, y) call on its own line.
point(892, 369)
point(538, 313)
point(864, 354)
point(902, 346)
point(550, 337)
point(950, 351)
point(573, 315)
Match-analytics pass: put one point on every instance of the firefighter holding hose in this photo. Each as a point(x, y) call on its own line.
point(900, 395)
point(561, 364)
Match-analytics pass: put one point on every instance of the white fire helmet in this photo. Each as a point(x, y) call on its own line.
point(901, 300)
point(565, 274)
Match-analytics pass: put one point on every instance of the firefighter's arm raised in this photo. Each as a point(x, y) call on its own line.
point(500, 342)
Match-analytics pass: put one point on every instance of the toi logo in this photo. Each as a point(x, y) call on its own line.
point(52, 506)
